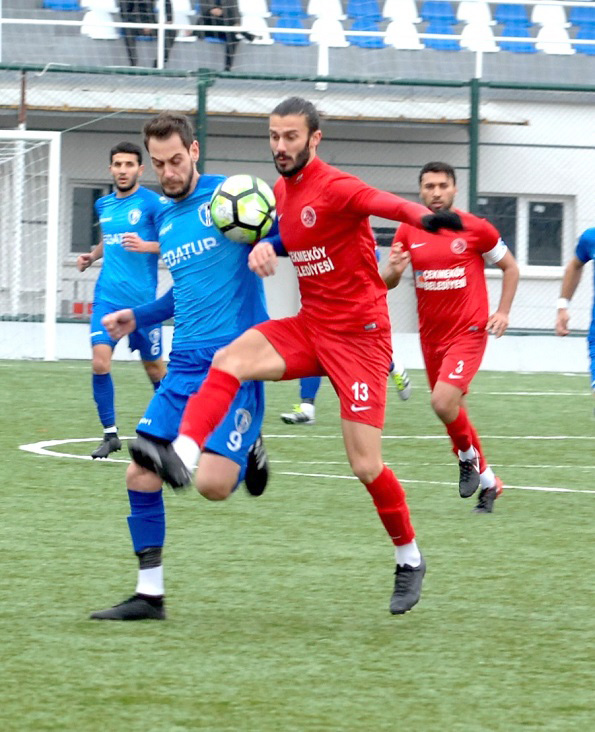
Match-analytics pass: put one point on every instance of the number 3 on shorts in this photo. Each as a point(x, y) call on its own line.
point(360, 391)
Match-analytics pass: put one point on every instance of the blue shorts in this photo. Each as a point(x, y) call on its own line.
point(185, 373)
point(591, 342)
point(147, 341)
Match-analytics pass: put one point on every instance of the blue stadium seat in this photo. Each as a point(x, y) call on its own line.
point(586, 33)
point(438, 10)
point(367, 9)
point(506, 13)
point(287, 8)
point(517, 30)
point(291, 39)
point(61, 5)
point(366, 24)
point(583, 16)
point(441, 44)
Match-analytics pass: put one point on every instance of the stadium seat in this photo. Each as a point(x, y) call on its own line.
point(256, 8)
point(552, 15)
point(478, 37)
point(586, 33)
point(258, 27)
point(554, 39)
point(61, 5)
point(105, 6)
point(183, 14)
point(507, 13)
point(514, 30)
point(330, 31)
point(287, 8)
point(98, 13)
point(326, 9)
point(474, 11)
point(364, 9)
point(365, 24)
point(403, 35)
point(441, 44)
point(291, 39)
point(583, 16)
point(404, 11)
point(438, 11)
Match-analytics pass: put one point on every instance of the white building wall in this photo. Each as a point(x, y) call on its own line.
point(389, 157)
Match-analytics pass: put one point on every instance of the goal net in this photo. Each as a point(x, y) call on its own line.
point(29, 214)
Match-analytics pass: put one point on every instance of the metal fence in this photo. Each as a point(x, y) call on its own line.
point(522, 149)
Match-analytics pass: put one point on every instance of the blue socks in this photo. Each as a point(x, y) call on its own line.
point(309, 387)
point(103, 393)
point(147, 519)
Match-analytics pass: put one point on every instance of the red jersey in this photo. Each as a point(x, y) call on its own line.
point(323, 221)
point(448, 271)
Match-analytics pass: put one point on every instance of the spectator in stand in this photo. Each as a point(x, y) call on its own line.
point(223, 12)
point(143, 13)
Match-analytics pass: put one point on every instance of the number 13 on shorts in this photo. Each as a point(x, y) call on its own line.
point(360, 391)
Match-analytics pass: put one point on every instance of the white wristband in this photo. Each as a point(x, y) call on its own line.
point(563, 303)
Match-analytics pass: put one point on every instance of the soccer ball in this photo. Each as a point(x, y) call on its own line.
point(243, 208)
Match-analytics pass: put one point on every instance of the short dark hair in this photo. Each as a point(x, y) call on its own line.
point(437, 167)
point(166, 124)
point(298, 105)
point(126, 147)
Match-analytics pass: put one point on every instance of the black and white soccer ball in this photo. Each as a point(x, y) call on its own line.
point(243, 208)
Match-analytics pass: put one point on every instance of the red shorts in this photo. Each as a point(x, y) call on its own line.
point(457, 361)
point(356, 363)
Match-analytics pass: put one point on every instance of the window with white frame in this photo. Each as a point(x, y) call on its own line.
point(534, 228)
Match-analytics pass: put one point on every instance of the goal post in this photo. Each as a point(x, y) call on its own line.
point(29, 241)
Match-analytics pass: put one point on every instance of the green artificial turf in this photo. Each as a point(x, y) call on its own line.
point(278, 606)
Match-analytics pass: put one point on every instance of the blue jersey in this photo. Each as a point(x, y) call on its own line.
point(585, 251)
point(127, 278)
point(216, 296)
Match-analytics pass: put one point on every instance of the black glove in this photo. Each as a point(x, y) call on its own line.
point(442, 220)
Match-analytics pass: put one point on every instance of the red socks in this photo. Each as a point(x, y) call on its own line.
point(207, 408)
point(389, 498)
point(463, 435)
point(459, 431)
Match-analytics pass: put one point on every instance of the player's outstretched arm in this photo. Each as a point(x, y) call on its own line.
point(398, 260)
point(262, 259)
point(361, 198)
point(133, 243)
point(498, 321)
point(570, 281)
point(119, 323)
point(84, 261)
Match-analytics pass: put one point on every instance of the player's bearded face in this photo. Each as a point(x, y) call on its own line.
point(292, 144)
point(125, 184)
point(437, 191)
point(289, 164)
point(125, 169)
point(174, 165)
point(178, 186)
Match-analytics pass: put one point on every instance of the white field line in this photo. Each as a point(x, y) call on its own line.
point(584, 393)
point(546, 489)
point(42, 448)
